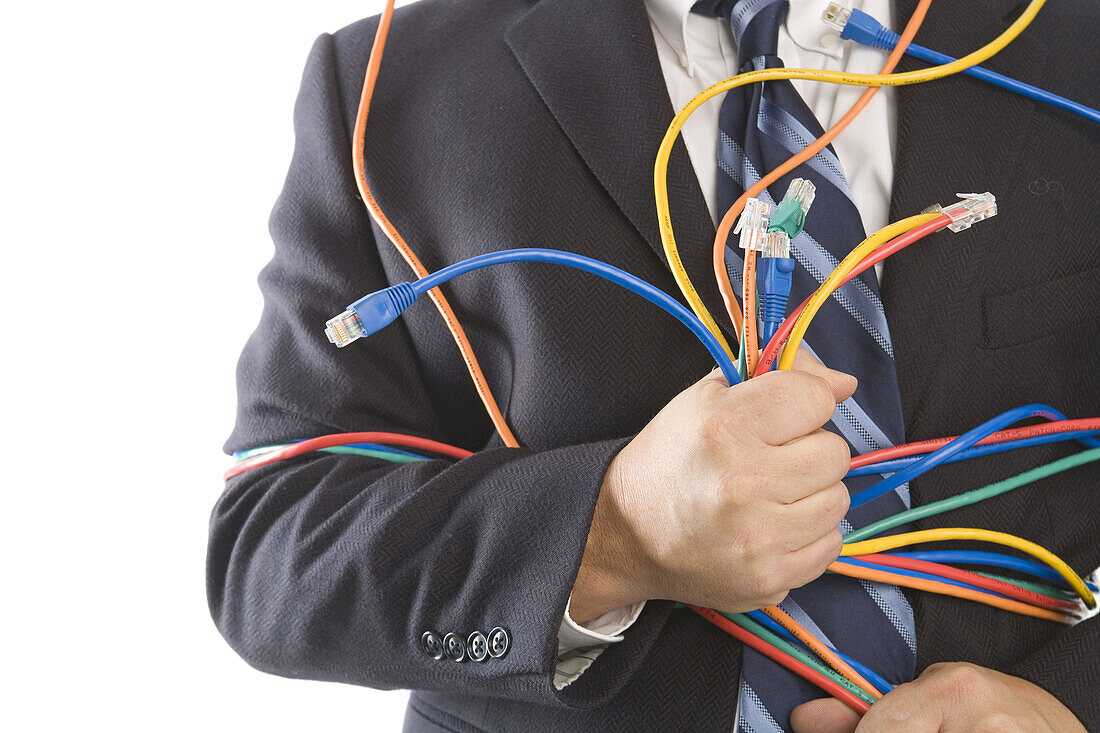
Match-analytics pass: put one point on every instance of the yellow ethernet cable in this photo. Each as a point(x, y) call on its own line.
point(882, 544)
point(660, 166)
point(836, 279)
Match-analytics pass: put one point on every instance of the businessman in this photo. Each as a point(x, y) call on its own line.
point(535, 588)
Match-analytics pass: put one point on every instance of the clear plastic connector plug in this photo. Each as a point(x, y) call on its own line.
point(753, 224)
point(802, 192)
point(973, 208)
point(836, 16)
point(344, 328)
point(790, 214)
point(776, 244)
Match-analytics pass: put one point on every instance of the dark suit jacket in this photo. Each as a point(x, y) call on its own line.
point(509, 123)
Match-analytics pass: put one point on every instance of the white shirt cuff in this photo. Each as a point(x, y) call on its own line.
point(578, 646)
point(606, 629)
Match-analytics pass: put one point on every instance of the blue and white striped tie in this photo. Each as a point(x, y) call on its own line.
point(759, 130)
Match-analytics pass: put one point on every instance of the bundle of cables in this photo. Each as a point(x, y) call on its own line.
point(1049, 590)
point(1042, 584)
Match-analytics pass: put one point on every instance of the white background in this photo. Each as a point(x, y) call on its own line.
point(143, 146)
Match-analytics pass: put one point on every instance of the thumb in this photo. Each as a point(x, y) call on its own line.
point(826, 715)
point(843, 385)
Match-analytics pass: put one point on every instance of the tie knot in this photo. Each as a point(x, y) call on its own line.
point(755, 24)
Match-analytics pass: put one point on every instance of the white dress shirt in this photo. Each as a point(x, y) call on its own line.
point(695, 52)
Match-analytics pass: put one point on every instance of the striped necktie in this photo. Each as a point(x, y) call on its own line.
point(758, 130)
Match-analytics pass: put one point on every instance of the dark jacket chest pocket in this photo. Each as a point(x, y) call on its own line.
point(1036, 311)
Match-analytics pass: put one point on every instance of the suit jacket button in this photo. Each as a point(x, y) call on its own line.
point(499, 642)
point(477, 646)
point(432, 644)
point(454, 647)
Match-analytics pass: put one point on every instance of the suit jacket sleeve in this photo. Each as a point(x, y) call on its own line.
point(331, 567)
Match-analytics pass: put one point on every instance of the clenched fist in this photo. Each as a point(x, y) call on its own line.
point(728, 498)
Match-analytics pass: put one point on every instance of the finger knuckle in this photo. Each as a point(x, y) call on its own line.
point(894, 714)
point(968, 681)
point(778, 390)
point(755, 414)
point(715, 426)
point(837, 503)
point(765, 539)
point(766, 583)
point(774, 386)
point(831, 550)
point(998, 722)
point(819, 396)
point(738, 486)
point(812, 567)
point(804, 467)
point(754, 542)
point(838, 457)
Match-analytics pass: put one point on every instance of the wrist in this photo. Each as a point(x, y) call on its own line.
point(613, 571)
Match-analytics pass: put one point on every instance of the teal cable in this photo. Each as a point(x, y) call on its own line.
point(1041, 588)
point(972, 497)
point(384, 455)
point(244, 455)
point(783, 645)
point(741, 367)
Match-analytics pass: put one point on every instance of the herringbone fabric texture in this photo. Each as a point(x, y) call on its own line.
point(515, 123)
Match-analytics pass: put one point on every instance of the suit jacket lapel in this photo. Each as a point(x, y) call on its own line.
point(595, 66)
point(953, 135)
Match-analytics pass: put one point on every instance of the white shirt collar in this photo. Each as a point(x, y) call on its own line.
point(670, 19)
point(682, 29)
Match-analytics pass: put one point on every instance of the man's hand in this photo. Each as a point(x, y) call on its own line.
point(730, 497)
point(947, 698)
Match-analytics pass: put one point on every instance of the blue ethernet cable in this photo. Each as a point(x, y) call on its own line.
point(776, 266)
point(855, 25)
point(361, 449)
point(377, 310)
point(975, 452)
point(992, 559)
point(917, 574)
point(957, 446)
point(775, 627)
point(377, 447)
point(383, 455)
point(770, 232)
point(383, 449)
